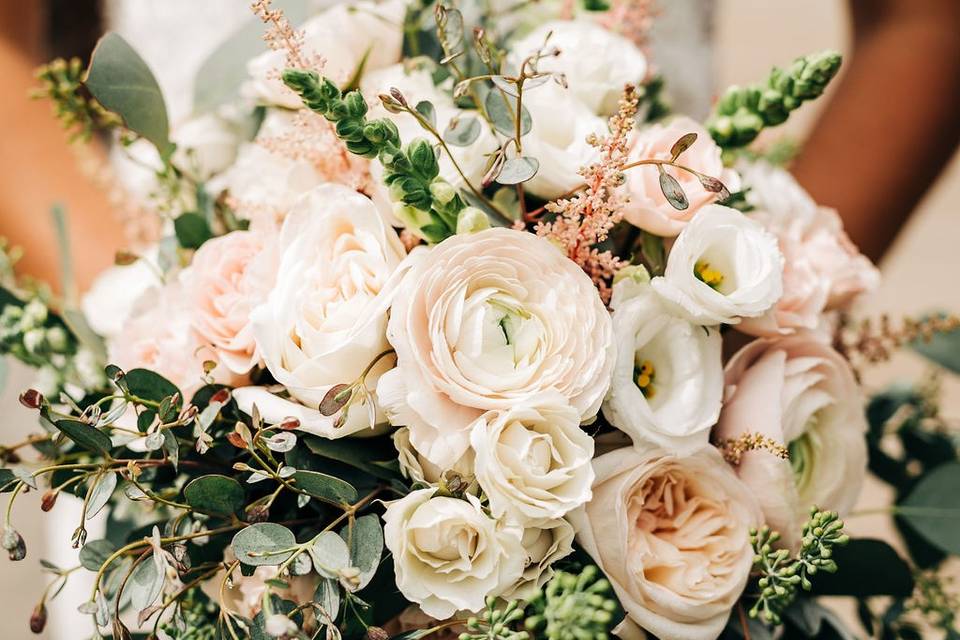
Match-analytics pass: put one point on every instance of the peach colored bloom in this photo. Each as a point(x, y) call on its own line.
point(647, 207)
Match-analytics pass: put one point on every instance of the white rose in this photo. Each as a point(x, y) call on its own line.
point(324, 320)
point(775, 191)
point(346, 36)
point(488, 321)
point(448, 555)
point(668, 380)
point(417, 85)
point(722, 267)
point(416, 468)
point(544, 544)
point(672, 535)
point(801, 394)
point(206, 145)
point(596, 62)
point(115, 292)
point(558, 139)
point(533, 463)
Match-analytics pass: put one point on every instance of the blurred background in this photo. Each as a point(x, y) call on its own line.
point(919, 272)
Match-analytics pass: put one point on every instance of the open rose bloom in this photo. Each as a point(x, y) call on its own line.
point(452, 326)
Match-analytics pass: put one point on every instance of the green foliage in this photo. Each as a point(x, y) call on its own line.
point(85, 435)
point(861, 557)
point(61, 82)
point(933, 507)
point(215, 494)
point(495, 623)
point(783, 573)
point(264, 544)
point(573, 606)
point(428, 203)
point(942, 347)
point(192, 230)
point(123, 83)
point(743, 112)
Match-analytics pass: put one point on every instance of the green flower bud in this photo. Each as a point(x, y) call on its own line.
point(472, 220)
point(636, 272)
point(411, 217)
point(423, 158)
point(355, 104)
point(33, 340)
point(442, 191)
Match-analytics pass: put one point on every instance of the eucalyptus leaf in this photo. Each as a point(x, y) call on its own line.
point(361, 454)
point(327, 596)
point(501, 110)
point(861, 557)
point(426, 109)
point(681, 145)
point(123, 83)
point(462, 131)
point(330, 554)
point(942, 348)
point(505, 84)
point(263, 544)
point(85, 435)
point(192, 230)
point(100, 494)
point(517, 170)
point(145, 584)
point(216, 494)
point(672, 191)
point(149, 385)
point(932, 509)
point(7, 478)
point(365, 538)
point(95, 553)
point(328, 488)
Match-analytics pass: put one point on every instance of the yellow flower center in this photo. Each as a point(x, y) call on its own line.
point(710, 277)
point(644, 374)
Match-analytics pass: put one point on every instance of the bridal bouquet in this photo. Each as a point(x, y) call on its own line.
point(444, 324)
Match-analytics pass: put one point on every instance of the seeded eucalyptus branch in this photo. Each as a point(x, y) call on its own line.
point(428, 203)
point(782, 573)
point(743, 112)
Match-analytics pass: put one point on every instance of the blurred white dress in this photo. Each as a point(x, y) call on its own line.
point(175, 36)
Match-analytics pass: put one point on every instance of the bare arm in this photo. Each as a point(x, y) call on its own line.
point(37, 169)
point(894, 120)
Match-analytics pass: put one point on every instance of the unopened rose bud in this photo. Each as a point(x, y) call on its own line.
point(38, 619)
point(31, 399)
point(49, 499)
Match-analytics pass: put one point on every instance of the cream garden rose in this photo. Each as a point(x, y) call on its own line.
point(229, 276)
point(324, 321)
point(486, 322)
point(533, 463)
point(595, 61)
point(344, 36)
point(801, 394)
point(723, 266)
point(647, 207)
point(672, 535)
point(544, 544)
point(448, 555)
point(416, 468)
point(668, 378)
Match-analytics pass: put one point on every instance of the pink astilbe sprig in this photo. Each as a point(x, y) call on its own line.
point(585, 219)
point(632, 19)
point(282, 36)
point(311, 139)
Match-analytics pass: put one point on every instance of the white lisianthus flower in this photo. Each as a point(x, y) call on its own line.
point(544, 544)
point(349, 36)
point(489, 321)
point(206, 145)
point(668, 379)
point(324, 320)
point(801, 394)
point(416, 468)
point(722, 267)
point(558, 139)
point(448, 555)
point(672, 535)
point(416, 85)
point(596, 62)
point(773, 190)
point(533, 463)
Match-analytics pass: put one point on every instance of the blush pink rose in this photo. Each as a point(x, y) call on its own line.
point(228, 278)
point(159, 336)
point(647, 207)
point(838, 261)
point(802, 395)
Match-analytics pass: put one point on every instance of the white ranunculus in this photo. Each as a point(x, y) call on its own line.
point(347, 35)
point(722, 267)
point(544, 544)
point(448, 555)
point(678, 364)
point(596, 62)
point(416, 468)
point(489, 321)
point(324, 321)
point(533, 463)
point(206, 145)
point(672, 535)
point(416, 85)
point(558, 139)
point(799, 393)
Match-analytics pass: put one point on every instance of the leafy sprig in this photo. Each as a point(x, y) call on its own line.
point(782, 573)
